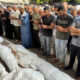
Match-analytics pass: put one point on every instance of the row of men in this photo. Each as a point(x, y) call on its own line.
point(38, 25)
point(61, 25)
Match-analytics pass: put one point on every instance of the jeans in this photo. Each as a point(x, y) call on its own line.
point(46, 44)
point(61, 46)
point(40, 37)
point(53, 41)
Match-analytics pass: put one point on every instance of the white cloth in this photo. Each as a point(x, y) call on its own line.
point(24, 74)
point(11, 14)
point(7, 56)
point(54, 30)
point(16, 15)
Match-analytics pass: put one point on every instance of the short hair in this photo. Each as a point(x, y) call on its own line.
point(46, 8)
point(61, 8)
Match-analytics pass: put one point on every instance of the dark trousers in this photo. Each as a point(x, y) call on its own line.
point(75, 51)
point(13, 31)
point(8, 31)
point(36, 40)
point(1, 29)
point(17, 33)
point(69, 42)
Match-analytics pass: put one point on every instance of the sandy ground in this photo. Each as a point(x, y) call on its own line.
point(39, 53)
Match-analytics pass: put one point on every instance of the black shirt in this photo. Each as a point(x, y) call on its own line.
point(47, 21)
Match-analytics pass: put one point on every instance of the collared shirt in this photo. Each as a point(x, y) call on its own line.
point(16, 15)
point(36, 17)
point(76, 39)
point(11, 14)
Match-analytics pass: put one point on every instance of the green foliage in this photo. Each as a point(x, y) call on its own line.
point(44, 1)
point(65, 0)
point(41, 1)
point(77, 1)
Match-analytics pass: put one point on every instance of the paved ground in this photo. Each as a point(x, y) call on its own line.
point(39, 52)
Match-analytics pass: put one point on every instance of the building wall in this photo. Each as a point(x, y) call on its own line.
point(15, 1)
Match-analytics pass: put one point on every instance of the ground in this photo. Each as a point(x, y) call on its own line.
point(39, 53)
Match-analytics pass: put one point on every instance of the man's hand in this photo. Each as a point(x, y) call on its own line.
point(39, 26)
point(44, 26)
point(65, 29)
point(10, 17)
point(20, 22)
point(72, 30)
point(60, 28)
point(35, 22)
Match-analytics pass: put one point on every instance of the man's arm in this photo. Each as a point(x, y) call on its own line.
point(74, 31)
point(48, 27)
point(61, 29)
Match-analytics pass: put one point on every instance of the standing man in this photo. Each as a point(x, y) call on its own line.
point(26, 36)
point(16, 23)
point(48, 24)
point(75, 46)
point(62, 24)
point(36, 20)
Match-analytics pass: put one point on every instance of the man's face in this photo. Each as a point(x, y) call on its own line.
point(62, 13)
point(35, 10)
point(40, 12)
point(52, 9)
point(74, 13)
point(30, 10)
point(21, 10)
point(65, 5)
point(47, 12)
point(14, 8)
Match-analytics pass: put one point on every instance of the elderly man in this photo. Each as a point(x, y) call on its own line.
point(15, 17)
point(26, 36)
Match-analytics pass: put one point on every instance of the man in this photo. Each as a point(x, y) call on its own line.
point(26, 36)
point(8, 27)
point(40, 30)
point(16, 23)
point(1, 28)
point(75, 46)
point(36, 20)
point(54, 31)
point(12, 21)
point(65, 5)
point(73, 13)
point(48, 24)
point(62, 24)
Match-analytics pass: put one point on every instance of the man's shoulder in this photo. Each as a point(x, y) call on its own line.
point(77, 18)
point(70, 16)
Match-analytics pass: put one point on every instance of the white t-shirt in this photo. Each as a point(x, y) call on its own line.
point(54, 30)
point(11, 14)
point(16, 15)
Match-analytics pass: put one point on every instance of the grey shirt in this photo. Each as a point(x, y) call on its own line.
point(76, 39)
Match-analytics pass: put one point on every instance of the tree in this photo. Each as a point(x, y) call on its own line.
point(53, 1)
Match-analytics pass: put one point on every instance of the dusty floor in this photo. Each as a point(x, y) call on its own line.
point(39, 52)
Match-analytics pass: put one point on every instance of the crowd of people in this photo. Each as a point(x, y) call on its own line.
point(38, 26)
